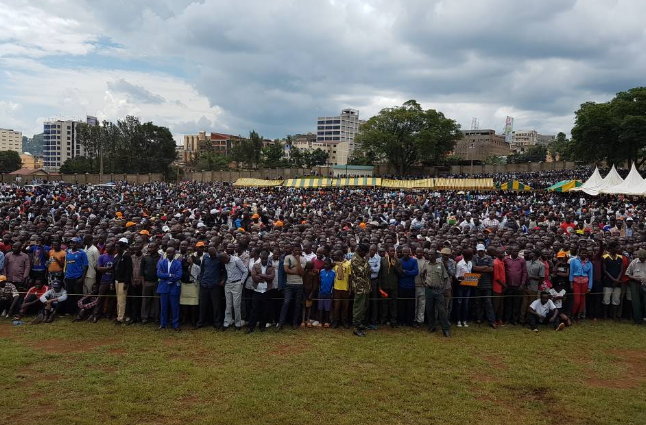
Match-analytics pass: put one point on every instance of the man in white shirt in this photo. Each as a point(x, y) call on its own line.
point(543, 312)
point(374, 259)
point(92, 253)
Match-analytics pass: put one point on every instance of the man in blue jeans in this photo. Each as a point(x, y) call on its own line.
point(294, 266)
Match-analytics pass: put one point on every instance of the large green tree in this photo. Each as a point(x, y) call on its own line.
point(614, 131)
point(9, 161)
point(272, 155)
point(212, 162)
point(312, 158)
point(406, 135)
point(561, 147)
point(128, 146)
point(80, 164)
point(536, 153)
point(248, 152)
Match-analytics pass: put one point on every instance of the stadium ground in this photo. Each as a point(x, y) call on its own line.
point(67, 373)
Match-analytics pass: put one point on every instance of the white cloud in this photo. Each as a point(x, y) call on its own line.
point(35, 32)
point(74, 93)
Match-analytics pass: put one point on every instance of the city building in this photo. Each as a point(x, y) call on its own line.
point(522, 139)
point(217, 143)
point(339, 130)
point(31, 162)
point(10, 140)
point(478, 145)
point(60, 142)
point(338, 152)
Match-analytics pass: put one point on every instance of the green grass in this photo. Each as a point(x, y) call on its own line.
point(97, 373)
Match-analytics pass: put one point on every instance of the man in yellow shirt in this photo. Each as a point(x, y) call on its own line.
point(341, 292)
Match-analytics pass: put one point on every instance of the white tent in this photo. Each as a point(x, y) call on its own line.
point(612, 179)
point(592, 184)
point(633, 185)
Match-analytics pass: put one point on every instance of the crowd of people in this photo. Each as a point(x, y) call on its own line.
point(213, 255)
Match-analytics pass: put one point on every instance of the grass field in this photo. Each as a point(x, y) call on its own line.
point(66, 373)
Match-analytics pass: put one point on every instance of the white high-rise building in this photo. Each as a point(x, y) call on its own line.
point(60, 143)
point(341, 131)
point(10, 140)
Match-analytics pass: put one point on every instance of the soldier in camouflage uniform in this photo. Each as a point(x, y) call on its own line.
point(360, 284)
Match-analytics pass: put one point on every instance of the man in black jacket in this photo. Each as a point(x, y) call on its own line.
point(122, 278)
point(149, 301)
point(212, 278)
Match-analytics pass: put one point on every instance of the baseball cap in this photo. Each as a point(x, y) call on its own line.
point(144, 232)
point(561, 254)
point(77, 239)
point(199, 244)
point(445, 251)
point(123, 241)
point(3, 278)
point(480, 247)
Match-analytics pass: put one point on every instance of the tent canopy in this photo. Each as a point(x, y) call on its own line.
point(249, 182)
point(564, 186)
point(612, 179)
point(592, 184)
point(514, 185)
point(633, 185)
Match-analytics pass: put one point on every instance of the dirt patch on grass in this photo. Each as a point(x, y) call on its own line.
point(117, 351)
point(496, 367)
point(57, 346)
point(5, 331)
point(554, 409)
point(634, 364)
point(288, 350)
point(495, 362)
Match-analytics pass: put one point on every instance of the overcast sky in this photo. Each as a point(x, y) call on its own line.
point(274, 66)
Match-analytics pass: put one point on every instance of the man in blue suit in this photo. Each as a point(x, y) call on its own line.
point(169, 272)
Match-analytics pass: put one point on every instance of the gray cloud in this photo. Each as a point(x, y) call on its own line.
point(135, 92)
point(286, 62)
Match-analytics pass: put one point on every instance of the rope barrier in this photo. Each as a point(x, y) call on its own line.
point(338, 299)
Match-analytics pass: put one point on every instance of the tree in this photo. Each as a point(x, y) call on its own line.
point(361, 157)
point(614, 131)
point(212, 162)
point(406, 135)
point(536, 153)
point(495, 160)
point(314, 157)
point(128, 146)
point(10, 161)
point(80, 164)
point(560, 148)
point(296, 157)
point(272, 155)
point(247, 152)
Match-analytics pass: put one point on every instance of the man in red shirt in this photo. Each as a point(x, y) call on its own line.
point(32, 303)
point(499, 284)
point(568, 226)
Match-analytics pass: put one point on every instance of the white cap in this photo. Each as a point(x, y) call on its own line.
point(480, 247)
point(213, 211)
point(123, 240)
